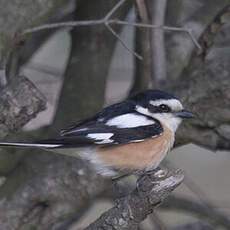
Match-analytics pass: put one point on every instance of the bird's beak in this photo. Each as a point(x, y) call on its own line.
point(184, 114)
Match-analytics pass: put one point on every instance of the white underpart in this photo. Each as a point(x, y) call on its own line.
point(129, 120)
point(89, 154)
point(169, 120)
point(101, 168)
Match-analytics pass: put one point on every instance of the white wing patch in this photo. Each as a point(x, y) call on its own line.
point(129, 120)
point(101, 138)
point(107, 141)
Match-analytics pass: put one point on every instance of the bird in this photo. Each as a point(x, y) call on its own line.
point(130, 136)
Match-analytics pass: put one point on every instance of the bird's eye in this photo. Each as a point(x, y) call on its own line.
point(164, 108)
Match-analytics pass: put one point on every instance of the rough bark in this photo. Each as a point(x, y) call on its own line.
point(135, 207)
point(19, 103)
point(196, 15)
point(205, 88)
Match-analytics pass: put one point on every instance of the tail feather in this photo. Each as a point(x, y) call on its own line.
point(29, 145)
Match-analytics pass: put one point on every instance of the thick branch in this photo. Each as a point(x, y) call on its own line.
point(19, 103)
point(134, 208)
point(205, 86)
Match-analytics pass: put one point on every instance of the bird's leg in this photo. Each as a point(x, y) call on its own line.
point(119, 177)
point(119, 189)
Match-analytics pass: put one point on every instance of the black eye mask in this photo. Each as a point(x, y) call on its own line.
point(159, 109)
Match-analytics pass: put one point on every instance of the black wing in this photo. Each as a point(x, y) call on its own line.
point(95, 131)
point(101, 134)
point(104, 115)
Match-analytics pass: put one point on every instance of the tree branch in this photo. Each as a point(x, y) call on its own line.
point(107, 21)
point(205, 84)
point(19, 103)
point(134, 208)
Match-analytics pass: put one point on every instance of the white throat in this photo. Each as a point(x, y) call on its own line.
point(167, 119)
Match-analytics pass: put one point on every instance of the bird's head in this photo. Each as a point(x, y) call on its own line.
point(162, 106)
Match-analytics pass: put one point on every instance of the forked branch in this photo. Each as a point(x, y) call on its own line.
point(107, 21)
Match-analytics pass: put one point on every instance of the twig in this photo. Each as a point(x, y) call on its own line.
point(159, 27)
point(135, 207)
point(113, 10)
point(122, 42)
point(107, 21)
point(63, 25)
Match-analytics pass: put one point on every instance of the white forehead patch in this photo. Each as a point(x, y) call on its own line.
point(129, 120)
point(174, 104)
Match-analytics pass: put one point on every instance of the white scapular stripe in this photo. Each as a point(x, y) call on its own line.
point(15, 144)
point(107, 141)
point(129, 120)
point(100, 136)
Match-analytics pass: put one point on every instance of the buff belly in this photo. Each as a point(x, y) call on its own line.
point(110, 161)
point(145, 155)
